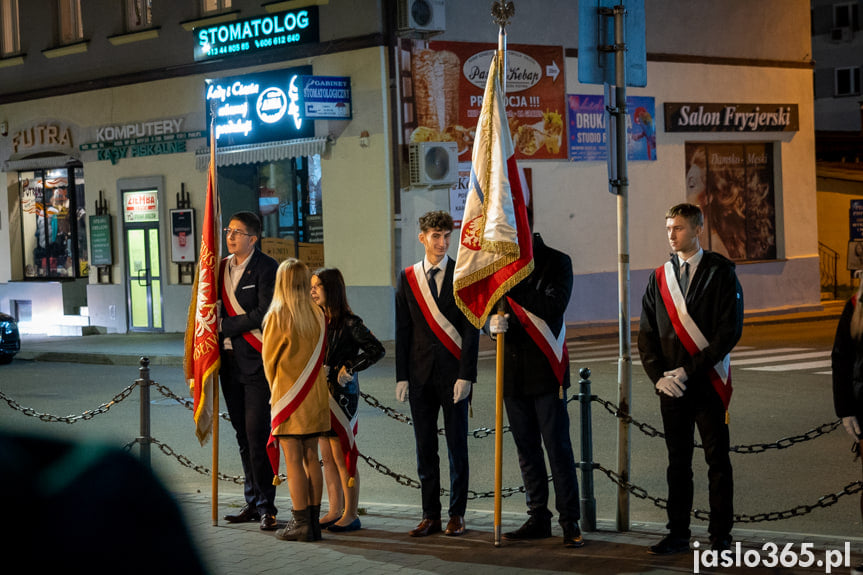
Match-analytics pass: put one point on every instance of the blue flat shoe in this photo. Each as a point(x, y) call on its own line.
point(352, 526)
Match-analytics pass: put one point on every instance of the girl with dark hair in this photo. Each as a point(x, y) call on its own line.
point(351, 347)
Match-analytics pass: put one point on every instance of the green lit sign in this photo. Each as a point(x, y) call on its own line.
point(299, 26)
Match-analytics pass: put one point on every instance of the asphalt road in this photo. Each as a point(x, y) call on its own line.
point(771, 401)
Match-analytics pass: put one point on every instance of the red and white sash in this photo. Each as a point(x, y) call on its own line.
point(438, 322)
point(346, 429)
point(552, 346)
point(286, 405)
point(233, 308)
point(687, 331)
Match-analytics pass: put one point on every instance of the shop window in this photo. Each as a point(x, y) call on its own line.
point(733, 184)
point(53, 223)
point(10, 29)
point(847, 81)
point(139, 14)
point(71, 25)
point(213, 6)
point(287, 195)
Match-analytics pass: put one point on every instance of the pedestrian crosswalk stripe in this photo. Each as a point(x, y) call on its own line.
point(793, 366)
point(736, 354)
point(775, 358)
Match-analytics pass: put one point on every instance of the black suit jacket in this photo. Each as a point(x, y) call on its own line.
point(420, 356)
point(254, 292)
point(544, 293)
point(714, 301)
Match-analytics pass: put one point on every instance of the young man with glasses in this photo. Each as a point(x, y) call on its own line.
point(247, 278)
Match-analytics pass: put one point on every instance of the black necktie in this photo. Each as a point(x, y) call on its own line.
point(684, 278)
point(433, 284)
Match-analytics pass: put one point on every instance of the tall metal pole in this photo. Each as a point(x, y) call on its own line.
point(624, 369)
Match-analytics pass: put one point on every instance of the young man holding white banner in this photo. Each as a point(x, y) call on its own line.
point(536, 376)
point(436, 351)
point(691, 319)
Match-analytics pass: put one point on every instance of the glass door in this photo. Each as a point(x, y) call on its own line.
point(143, 249)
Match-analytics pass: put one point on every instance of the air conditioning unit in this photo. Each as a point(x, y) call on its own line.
point(433, 163)
point(842, 34)
point(422, 15)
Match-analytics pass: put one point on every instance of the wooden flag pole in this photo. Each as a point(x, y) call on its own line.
point(214, 480)
point(501, 12)
point(217, 249)
point(498, 435)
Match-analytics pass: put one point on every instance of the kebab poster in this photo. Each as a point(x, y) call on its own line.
point(448, 83)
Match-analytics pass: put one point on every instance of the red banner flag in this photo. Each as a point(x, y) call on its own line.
point(495, 250)
point(201, 361)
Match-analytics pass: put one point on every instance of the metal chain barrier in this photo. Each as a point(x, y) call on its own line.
point(482, 432)
point(478, 433)
point(783, 443)
point(822, 503)
point(70, 419)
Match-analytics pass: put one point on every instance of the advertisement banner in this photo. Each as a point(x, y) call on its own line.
point(448, 80)
point(325, 97)
point(183, 235)
point(587, 128)
point(141, 206)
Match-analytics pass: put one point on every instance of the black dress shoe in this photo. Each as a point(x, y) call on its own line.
point(246, 515)
point(533, 528)
point(268, 522)
point(720, 543)
point(670, 544)
point(426, 527)
point(572, 536)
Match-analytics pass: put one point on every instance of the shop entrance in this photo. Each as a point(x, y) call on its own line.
point(143, 265)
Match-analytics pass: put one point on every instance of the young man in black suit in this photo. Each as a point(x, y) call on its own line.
point(247, 278)
point(436, 351)
point(691, 319)
point(536, 376)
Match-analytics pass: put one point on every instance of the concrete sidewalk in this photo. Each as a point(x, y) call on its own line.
point(383, 546)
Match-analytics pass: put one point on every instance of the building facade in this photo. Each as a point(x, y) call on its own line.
point(104, 148)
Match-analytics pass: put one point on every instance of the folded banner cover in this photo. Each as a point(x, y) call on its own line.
point(201, 359)
point(495, 249)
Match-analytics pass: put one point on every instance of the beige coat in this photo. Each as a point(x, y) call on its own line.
point(286, 357)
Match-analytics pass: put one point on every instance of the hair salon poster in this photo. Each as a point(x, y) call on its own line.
point(588, 139)
point(448, 81)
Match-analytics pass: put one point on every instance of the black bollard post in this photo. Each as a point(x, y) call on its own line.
point(144, 383)
point(588, 501)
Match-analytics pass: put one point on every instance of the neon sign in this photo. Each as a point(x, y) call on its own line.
point(290, 28)
point(257, 108)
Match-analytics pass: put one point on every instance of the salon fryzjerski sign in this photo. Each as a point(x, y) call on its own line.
point(701, 117)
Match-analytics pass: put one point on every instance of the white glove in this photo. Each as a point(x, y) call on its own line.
point(852, 427)
point(498, 323)
point(679, 374)
point(402, 391)
point(461, 390)
point(670, 386)
point(344, 377)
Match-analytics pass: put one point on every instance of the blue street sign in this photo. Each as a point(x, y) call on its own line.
point(594, 30)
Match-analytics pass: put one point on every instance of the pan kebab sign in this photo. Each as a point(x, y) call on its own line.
point(449, 80)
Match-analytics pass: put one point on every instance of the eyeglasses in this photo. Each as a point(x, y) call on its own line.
point(231, 231)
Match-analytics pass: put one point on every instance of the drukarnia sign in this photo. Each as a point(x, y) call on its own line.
point(291, 28)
